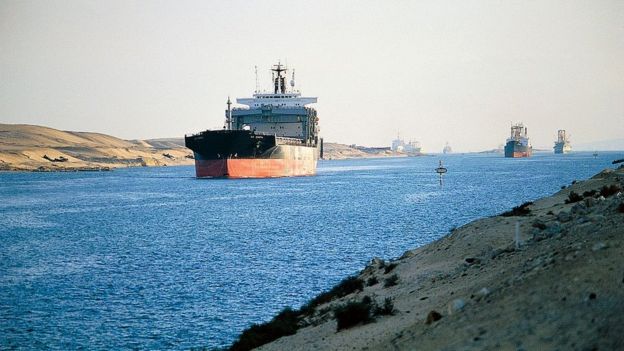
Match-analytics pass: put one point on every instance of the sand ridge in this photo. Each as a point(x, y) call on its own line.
point(25, 148)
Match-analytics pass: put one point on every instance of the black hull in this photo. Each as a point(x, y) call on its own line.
point(244, 154)
point(220, 144)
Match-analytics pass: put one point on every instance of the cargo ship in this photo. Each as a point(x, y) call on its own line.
point(562, 145)
point(518, 144)
point(411, 148)
point(275, 134)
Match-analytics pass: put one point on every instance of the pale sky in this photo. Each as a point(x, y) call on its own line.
point(437, 71)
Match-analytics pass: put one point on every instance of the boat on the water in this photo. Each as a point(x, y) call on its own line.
point(562, 145)
point(275, 135)
point(518, 144)
point(411, 147)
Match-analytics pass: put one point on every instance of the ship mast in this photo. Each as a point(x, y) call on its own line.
point(257, 84)
point(279, 81)
point(228, 120)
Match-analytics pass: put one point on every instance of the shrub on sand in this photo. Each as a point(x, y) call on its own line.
point(353, 313)
point(391, 281)
point(521, 210)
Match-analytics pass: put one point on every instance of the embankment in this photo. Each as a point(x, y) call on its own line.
point(336, 151)
point(547, 275)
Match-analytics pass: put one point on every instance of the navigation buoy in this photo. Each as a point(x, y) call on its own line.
point(441, 170)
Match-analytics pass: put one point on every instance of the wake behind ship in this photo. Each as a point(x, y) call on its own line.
point(275, 135)
point(518, 144)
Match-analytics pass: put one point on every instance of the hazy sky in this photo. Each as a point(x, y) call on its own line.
point(434, 70)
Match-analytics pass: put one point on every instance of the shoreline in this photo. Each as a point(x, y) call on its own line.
point(548, 274)
point(111, 166)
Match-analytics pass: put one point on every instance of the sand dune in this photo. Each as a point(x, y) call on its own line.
point(24, 147)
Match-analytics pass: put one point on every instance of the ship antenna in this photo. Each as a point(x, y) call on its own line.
point(292, 81)
point(257, 85)
point(229, 114)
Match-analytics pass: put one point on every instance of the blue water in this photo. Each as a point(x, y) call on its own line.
point(151, 258)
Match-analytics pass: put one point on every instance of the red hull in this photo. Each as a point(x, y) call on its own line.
point(254, 168)
point(519, 154)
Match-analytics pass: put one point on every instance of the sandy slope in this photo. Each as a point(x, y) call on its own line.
point(23, 147)
point(562, 289)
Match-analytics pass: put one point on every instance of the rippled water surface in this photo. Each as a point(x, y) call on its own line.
point(152, 258)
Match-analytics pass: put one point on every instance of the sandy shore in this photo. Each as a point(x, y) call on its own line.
point(336, 151)
point(558, 284)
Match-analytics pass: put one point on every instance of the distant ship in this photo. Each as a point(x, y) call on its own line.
point(411, 147)
point(562, 145)
point(518, 144)
point(447, 149)
point(275, 135)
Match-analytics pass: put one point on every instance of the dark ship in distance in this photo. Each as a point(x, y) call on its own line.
point(275, 135)
point(518, 144)
point(562, 145)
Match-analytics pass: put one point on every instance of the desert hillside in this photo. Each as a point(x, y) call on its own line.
point(29, 147)
point(547, 275)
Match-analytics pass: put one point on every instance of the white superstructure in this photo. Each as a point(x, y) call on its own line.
point(519, 135)
point(281, 96)
point(283, 113)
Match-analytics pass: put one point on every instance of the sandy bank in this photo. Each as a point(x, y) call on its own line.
point(336, 151)
point(560, 286)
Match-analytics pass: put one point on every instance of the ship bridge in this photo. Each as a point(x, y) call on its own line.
point(283, 113)
point(281, 96)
